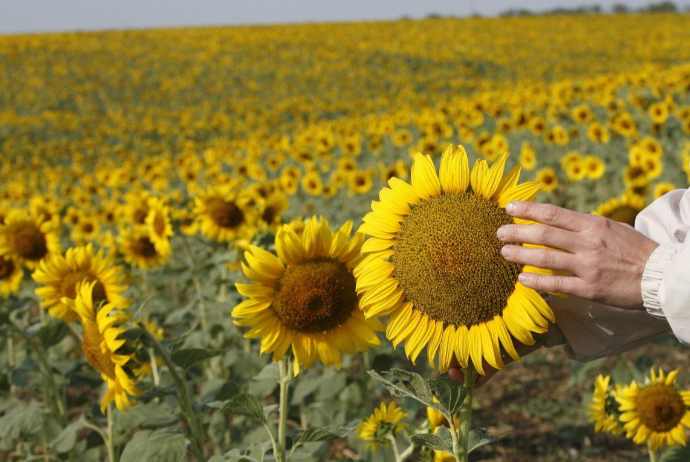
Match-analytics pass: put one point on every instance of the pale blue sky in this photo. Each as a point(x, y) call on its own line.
point(17, 16)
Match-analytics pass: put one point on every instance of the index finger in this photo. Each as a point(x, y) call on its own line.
point(547, 214)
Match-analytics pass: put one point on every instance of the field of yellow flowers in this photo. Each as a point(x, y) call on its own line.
point(192, 268)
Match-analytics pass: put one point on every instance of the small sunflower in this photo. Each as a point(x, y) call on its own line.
point(271, 208)
point(101, 345)
point(28, 239)
point(434, 263)
point(663, 188)
point(306, 297)
point(11, 275)
point(436, 421)
point(656, 412)
point(547, 176)
point(604, 408)
point(623, 209)
point(223, 215)
point(59, 276)
point(158, 226)
point(138, 249)
point(594, 167)
point(385, 421)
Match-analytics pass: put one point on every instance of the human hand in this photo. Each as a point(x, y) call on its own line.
point(605, 258)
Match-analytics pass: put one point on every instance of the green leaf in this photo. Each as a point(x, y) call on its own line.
point(188, 357)
point(242, 404)
point(155, 446)
point(147, 415)
point(479, 437)
point(449, 393)
point(133, 333)
point(331, 432)
point(51, 334)
point(270, 372)
point(439, 441)
point(67, 438)
point(227, 391)
point(675, 454)
point(421, 391)
point(22, 421)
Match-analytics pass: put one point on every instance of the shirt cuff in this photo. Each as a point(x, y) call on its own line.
point(653, 275)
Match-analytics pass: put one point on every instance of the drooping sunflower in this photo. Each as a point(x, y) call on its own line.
point(138, 249)
point(28, 239)
point(385, 421)
point(59, 276)
point(158, 225)
point(146, 367)
point(11, 275)
point(223, 215)
point(305, 297)
point(101, 343)
point(434, 263)
point(656, 412)
point(604, 408)
point(623, 209)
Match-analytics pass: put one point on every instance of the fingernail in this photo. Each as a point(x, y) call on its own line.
point(510, 208)
point(525, 278)
point(505, 250)
point(501, 232)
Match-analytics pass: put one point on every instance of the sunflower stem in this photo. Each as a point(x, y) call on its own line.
point(52, 391)
point(182, 395)
point(365, 384)
point(394, 445)
point(110, 431)
point(154, 367)
point(285, 378)
point(652, 454)
point(197, 285)
point(470, 377)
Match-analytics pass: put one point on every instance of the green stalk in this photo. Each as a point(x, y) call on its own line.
point(109, 442)
point(652, 454)
point(203, 321)
point(183, 395)
point(470, 375)
point(52, 390)
point(285, 378)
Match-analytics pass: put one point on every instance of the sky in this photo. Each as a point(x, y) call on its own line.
point(24, 16)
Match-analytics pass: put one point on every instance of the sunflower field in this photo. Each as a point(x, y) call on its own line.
point(271, 243)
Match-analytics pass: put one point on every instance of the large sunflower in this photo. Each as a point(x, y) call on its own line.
point(305, 297)
point(59, 276)
point(224, 215)
point(656, 412)
point(101, 344)
point(11, 275)
point(28, 238)
point(434, 263)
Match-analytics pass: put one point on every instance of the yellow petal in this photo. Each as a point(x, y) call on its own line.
point(425, 182)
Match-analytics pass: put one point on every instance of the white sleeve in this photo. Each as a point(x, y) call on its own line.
point(666, 277)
